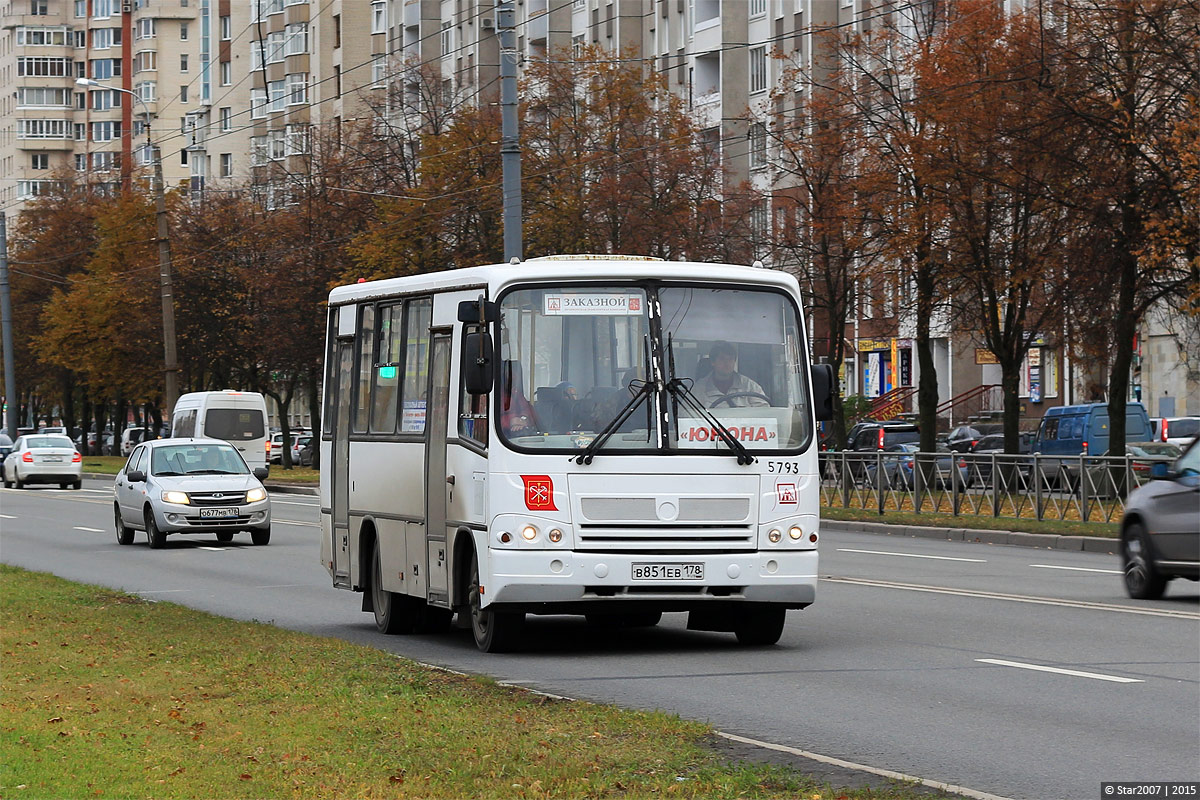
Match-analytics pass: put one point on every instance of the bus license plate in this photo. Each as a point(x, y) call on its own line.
point(668, 572)
point(218, 513)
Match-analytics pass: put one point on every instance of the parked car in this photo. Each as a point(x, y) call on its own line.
point(37, 458)
point(1176, 430)
point(965, 437)
point(979, 463)
point(897, 468)
point(53, 429)
point(6, 446)
point(173, 486)
point(1144, 455)
point(277, 444)
point(298, 443)
point(867, 438)
point(306, 452)
point(1160, 531)
point(131, 438)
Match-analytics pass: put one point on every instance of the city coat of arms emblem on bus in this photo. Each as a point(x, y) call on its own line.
point(539, 493)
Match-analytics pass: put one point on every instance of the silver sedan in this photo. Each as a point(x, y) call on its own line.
point(43, 458)
point(190, 486)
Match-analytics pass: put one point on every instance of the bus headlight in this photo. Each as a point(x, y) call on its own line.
point(529, 533)
point(254, 495)
point(178, 498)
point(775, 535)
point(795, 532)
point(555, 535)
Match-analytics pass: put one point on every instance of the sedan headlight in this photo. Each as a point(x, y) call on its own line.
point(254, 495)
point(179, 498)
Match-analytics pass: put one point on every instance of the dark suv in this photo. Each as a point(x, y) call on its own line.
point(872, 436)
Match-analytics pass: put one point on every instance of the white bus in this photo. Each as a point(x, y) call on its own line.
point(600, 435)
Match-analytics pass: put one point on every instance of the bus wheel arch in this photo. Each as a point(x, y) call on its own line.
point(464, 551)
point(367, 538)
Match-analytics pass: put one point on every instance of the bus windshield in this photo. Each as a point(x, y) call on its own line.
point(660, 366)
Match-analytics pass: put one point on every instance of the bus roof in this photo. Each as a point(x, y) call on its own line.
point(584, 268)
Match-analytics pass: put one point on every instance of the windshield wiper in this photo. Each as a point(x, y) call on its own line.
point(679, 388)
point(606, 433)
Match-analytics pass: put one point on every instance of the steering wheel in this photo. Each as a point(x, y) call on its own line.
point(736, 395)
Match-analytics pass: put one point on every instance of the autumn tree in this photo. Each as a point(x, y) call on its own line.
point(1000, 159)
point(1128, 81)
point(830, 239)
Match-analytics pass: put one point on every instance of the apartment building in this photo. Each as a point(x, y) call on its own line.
point(172, 62)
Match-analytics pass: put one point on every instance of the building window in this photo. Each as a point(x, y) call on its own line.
point(226, 165)
point(102, 161)
point(183, 62)
point(145, 29)
point(106, 131)
point(226, 114)
point(81, 8)
point(758, 7)
point(145, 61)
point(379, 71)
point(147, 90)
point(296, 140)
point(865, 299)
point(183, 94)
point(758, 145)
point(758, 69)
point(102, 100)
point(183, 31)
point(101, 9)
point(104, 69)
point(41, 37)
point(43, 97)
point(43, 67)
point(226, 73)
point(258, 103)
point(226, 28)
point(102, 38)
point(278, 98)
point(41, 161)
point(41, 129)
point(296, 39)
point(81, 162)
point(378, 16)
point(297, 88)
point(447, 38)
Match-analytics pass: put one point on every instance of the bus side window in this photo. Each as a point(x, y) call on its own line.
point(473, 408)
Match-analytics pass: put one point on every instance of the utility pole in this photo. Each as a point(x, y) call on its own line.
point(162, 234)
point(510, 141)
point(10, 380)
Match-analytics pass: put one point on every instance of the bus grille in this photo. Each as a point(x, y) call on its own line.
point(663, 539)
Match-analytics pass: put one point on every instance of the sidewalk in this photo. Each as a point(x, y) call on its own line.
point(1045, 541)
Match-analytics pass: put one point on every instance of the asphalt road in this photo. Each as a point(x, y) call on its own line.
point(1015, 672)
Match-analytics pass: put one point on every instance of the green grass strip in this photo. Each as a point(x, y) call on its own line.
point(103, 694)
point(1109, 530)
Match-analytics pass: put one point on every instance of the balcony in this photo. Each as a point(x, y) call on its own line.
point(164, 9)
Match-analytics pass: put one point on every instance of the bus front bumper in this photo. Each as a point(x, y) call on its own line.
point(538, 578)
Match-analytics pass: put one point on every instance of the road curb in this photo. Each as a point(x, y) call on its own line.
point(1045, 541)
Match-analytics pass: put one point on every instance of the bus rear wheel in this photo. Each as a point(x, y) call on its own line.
point(760, 627)
point(494, 631)
point(394, 613)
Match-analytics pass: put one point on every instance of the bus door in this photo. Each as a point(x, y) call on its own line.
point(437, 483)
point(339, 469)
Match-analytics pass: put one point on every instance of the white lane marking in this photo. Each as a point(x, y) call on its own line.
point(215, 549)
point(1016, 598)
point(911, 555)
point(7, 516)
point(89, 530)
point(886, 773)
point(1058, 670)
point(1078, 569)
point(291, 503)
point(295, 522)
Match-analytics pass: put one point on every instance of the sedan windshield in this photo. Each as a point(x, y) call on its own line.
point(197, 459)
point(652, 367)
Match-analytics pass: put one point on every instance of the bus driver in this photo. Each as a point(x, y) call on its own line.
point(725, 386)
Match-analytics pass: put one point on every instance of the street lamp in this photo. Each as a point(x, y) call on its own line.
point(170, 367)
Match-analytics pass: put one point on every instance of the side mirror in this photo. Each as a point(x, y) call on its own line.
point(261, 473)
point(1159, 471)
point(136, 476)
point(479, 311)
point(822, 391)
point(477, 365)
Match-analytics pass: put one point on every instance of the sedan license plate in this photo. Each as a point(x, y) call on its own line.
point(668, 572)
point(51, 458)
point(218, 513)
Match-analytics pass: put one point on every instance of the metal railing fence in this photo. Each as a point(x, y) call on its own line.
point(1077, 488)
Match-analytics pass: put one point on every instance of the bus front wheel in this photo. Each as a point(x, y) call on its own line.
point(494, 631)
point(760, 627)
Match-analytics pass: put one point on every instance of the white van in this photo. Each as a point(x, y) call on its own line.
point(239, 418)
